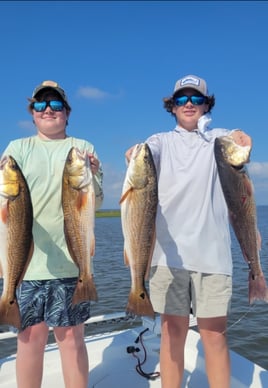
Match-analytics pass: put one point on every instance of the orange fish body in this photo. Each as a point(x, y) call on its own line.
point(78, 203)
point(16, 241)
point(138, 211)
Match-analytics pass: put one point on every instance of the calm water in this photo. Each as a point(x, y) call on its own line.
point(247, 330)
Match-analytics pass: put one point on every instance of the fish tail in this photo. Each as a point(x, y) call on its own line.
point(85, 290)
point(139, 303)
point(10, 313)
point(257, 288)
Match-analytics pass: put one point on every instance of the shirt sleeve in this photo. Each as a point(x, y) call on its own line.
point(14, 149)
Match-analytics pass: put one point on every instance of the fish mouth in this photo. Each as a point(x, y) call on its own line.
point(234, 154)
point(137, 150)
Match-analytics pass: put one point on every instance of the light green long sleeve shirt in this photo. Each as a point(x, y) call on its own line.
point(42, 163)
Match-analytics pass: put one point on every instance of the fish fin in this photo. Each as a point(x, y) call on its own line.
point(10, 313)
point(126, 259)
point(85, 290)
point(259, 240)
point(248, 186)
point(257, 288)
point(4, 211)
point(93, 201)
point(147, 273)
point(93, 242)
point(82, 199)
point(139, 303)
point(92, 247)
point(124, 196)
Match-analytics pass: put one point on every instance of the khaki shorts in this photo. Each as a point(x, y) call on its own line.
point(175, 291)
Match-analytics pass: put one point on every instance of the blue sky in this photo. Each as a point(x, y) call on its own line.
point(116, 60)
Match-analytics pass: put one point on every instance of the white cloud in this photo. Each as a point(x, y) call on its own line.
point(26, 124)
point(92, 93)
point(258, 170)
point(259, 174)
point(112, 186)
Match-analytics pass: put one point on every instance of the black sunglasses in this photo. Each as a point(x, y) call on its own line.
point(55, 105)
point(195, 100)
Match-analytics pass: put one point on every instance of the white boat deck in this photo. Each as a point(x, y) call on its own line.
point(111, 366)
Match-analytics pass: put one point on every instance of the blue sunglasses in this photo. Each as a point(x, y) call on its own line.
point(55, 105)
point(195, 100)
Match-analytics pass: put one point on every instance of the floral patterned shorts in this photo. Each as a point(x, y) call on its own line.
point(50, 301)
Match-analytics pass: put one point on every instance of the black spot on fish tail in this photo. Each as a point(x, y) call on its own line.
point(85, 290)
point(9, 313)
point(251, 274)
point(139, 304)
point(142, 295)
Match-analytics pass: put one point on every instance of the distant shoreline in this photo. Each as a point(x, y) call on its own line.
point(108, 213)
point(117, 213)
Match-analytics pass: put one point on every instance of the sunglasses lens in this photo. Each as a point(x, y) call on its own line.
point(56, 105)
point(180, 101)
point(197, 100)
point(39, 106)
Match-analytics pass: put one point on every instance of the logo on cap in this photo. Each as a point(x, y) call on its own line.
point(190, 80)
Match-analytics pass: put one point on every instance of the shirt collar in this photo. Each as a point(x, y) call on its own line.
point(202, 126)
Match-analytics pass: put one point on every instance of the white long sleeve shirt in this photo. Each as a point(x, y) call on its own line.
point(192, 225)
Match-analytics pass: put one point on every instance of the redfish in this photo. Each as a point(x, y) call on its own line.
point(16, 240)
point(138, 211)
point(78, 203)
point(239, 195)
